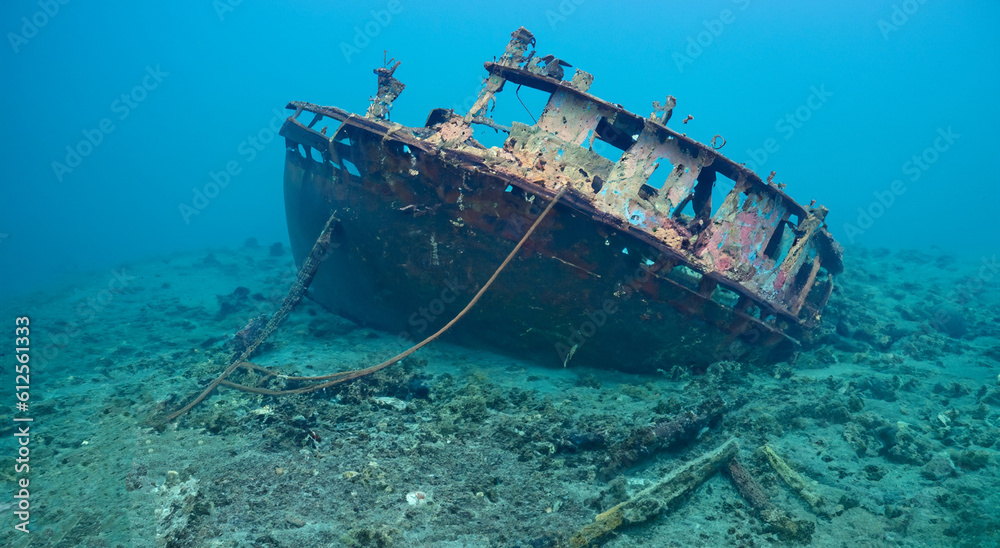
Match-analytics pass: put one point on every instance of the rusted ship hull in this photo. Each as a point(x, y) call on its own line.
point(425, 215)
point(411, 249)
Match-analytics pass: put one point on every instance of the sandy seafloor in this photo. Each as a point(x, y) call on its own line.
point(897, 424)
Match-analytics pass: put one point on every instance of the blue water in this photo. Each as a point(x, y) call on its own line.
point(146, 136)
point(888, 90)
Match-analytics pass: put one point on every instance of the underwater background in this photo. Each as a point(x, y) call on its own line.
point(118, 118)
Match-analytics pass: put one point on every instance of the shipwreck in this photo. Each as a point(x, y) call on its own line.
point(672, 255)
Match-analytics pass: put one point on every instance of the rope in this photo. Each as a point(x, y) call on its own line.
point(306, 274)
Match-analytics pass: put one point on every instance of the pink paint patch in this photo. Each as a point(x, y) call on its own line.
point(722, 263)
point(748, 223)
point(779, 280)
